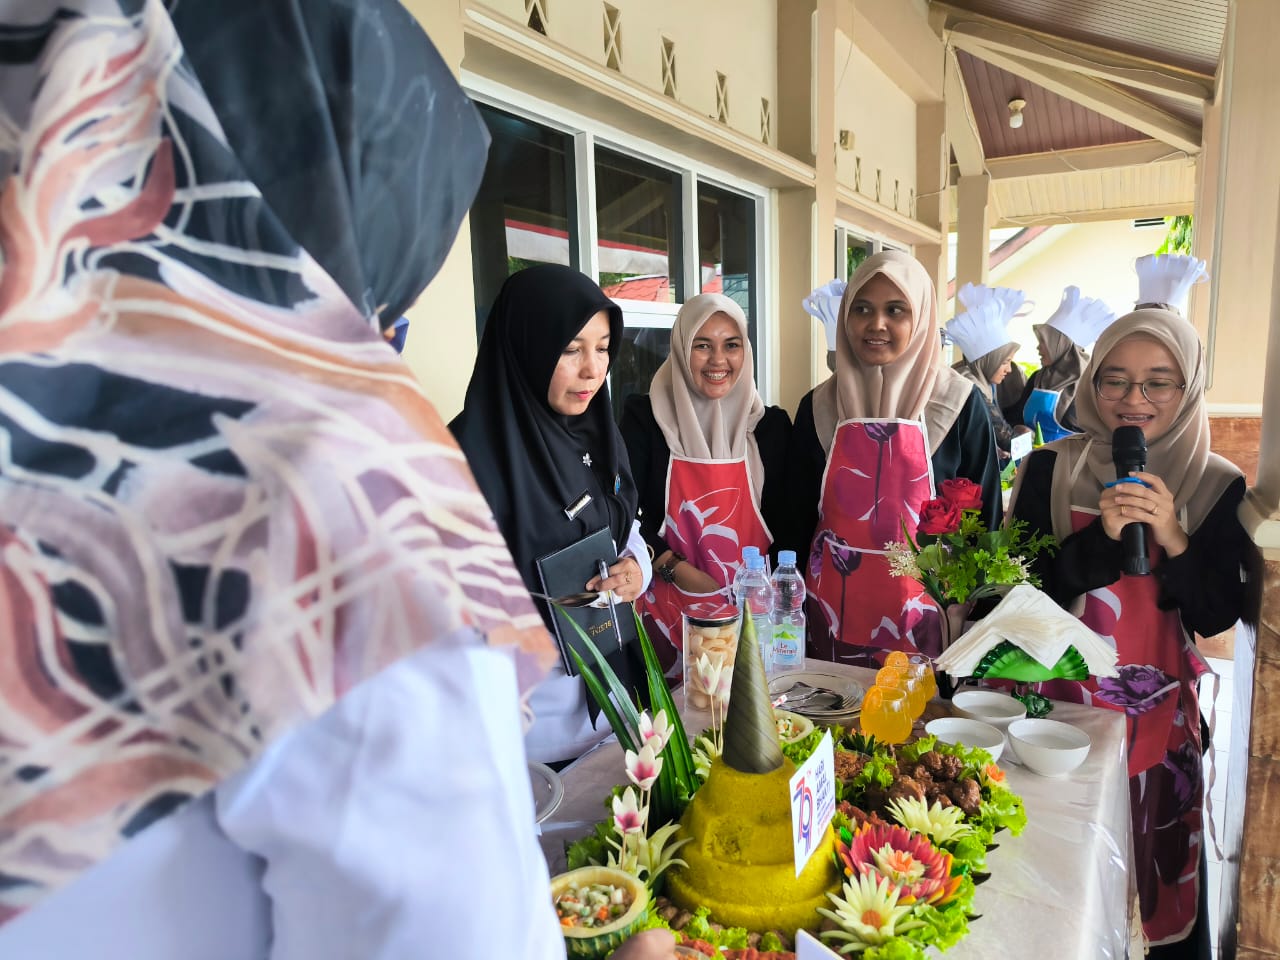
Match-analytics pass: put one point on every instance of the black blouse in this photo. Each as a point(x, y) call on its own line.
point(649, 454)
point(968, 450)
point(1206, 584)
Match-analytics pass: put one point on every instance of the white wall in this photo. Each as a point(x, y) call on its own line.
point(882, 119)
point(733, 37)
point(1096, 257)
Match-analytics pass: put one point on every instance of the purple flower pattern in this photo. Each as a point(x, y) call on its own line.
point(1138, 689)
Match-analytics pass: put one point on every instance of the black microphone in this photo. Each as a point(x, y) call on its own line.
point(1129, 453)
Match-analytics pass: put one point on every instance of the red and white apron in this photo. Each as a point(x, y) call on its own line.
point(878, 473)
point(1156, 690)
point(711, 515)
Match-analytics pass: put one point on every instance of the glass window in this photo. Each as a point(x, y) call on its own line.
point(526, 210)
point(857, 249)
point(727, 249)
point(639, 232)
point(645, 347)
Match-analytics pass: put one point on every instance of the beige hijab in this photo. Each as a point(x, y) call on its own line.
point(1180, 457)
point(981, 371)
point(695, 425)
point(916, 385)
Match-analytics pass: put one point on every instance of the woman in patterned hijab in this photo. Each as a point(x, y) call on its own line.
point(224, 501)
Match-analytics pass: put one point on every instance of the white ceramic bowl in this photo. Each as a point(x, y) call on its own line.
point(1048, 747)
point(989, 706)
point(971, 733)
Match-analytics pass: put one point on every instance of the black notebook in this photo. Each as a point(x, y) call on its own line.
point(564, 574)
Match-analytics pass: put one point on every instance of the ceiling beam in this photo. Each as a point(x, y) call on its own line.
point(962, 128)
point(1023, 218)
point(1137, 153)
point(1097, 95)
point(1092, 62)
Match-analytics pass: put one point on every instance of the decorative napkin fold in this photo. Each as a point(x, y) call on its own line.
point(1034, 624)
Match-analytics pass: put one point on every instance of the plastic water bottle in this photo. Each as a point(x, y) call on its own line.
point(752, 586)
point(735, 588)
point(788, 614)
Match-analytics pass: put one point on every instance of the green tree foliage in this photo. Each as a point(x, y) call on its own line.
point(1177, 238)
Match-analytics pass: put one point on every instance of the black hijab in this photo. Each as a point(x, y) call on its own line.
point(527, 458)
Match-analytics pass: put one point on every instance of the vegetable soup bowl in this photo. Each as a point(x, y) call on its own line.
point(970, 733)
point(989, 706)
point(1048, 747)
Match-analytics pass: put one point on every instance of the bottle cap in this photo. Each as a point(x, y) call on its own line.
point(749, 552)
point(786, 558)
point(755, 562)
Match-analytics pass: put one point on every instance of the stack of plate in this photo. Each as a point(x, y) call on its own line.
point(825, 698)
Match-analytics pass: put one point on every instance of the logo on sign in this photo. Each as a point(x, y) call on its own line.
point(802, 802)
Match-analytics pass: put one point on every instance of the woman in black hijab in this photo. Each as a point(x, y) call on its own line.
point(538, 432)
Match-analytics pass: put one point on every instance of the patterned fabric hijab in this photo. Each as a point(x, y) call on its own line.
point(915, 385)
point(1180, 457)
point(694, 425)
point(224, 500)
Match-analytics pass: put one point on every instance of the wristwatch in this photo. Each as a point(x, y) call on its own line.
point(668, 570)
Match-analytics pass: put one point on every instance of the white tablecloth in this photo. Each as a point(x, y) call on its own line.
point(1059, 890)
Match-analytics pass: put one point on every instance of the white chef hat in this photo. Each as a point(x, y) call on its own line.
point(1080, 319)
point(1167, 279)
point(824, 303)
point(984, 326)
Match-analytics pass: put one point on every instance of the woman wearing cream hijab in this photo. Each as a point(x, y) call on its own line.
point(708, 459)
point(1147, 371)
point(871, 444)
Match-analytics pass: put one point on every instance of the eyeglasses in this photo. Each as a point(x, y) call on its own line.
point(1157, 390)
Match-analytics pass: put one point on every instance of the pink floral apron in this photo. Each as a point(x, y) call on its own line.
point(878, 473)
point(1156, 689)
point(711, 515)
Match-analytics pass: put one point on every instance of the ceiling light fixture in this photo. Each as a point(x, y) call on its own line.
point(1015, 112)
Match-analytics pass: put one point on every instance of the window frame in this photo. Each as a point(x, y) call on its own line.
point(587, 132)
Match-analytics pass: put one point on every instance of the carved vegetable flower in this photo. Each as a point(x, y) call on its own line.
point(655, 732)
point(992, 776)
point(709, 672)
point(868, 915)
point(940, 824)
point(907, 859)
point(626, 813)
point(643, 767)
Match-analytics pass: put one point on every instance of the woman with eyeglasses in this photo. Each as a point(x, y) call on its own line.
point(1147, 371)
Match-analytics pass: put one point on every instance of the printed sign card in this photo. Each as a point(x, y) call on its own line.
point(809, 947)
point(813, 800)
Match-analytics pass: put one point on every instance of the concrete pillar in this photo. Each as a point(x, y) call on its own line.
point(806, 216)
point(1246, 268)
point(973, 240)
point(933, 206)
point(1248, 200)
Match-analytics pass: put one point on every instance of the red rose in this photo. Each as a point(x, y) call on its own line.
point(939, 516)
point(965, 494)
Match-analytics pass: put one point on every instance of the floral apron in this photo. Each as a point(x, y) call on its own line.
point(711, 515)
point(1156, 689)
point(878, 473)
